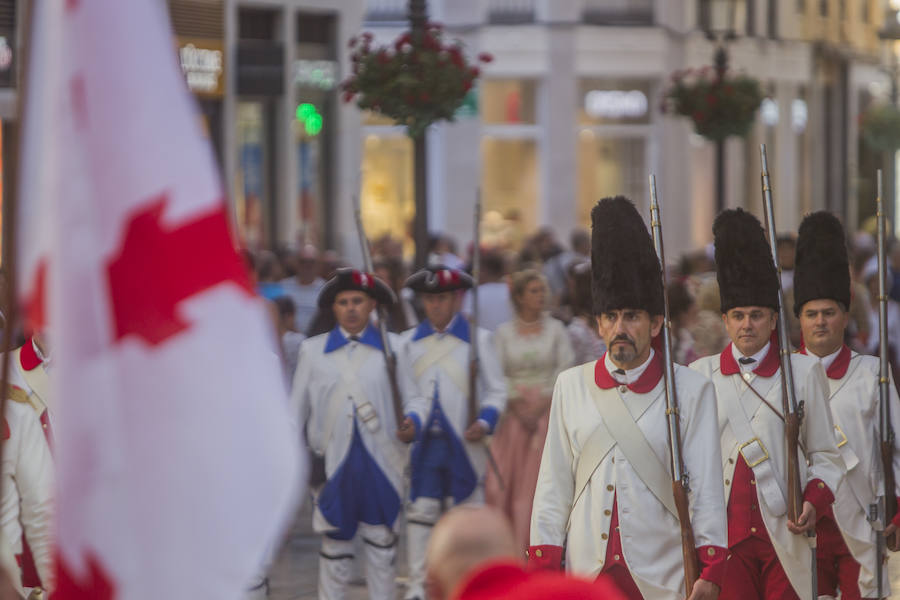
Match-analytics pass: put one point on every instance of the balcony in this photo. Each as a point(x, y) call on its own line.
point(510, 12)
point(633, 13)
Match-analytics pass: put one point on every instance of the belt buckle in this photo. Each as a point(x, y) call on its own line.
point(366, 412)
point(762, 447)
point(843, 435)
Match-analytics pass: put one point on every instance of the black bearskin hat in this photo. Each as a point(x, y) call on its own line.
point(347, 279)
point(744, 266)
point(821, 269)
point(624, 265)
point(438, 279)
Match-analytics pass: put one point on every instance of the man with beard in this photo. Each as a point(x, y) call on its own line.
point(770, 555)
point(604, 491)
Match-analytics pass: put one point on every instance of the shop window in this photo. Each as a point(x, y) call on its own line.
point(387, 200)
point(609, 167)
point(509, 185)
point(508, 101)
point(251, 189)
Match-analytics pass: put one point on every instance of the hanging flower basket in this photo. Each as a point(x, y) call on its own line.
point(720, 105)
point(880, 127)
point(416, 81)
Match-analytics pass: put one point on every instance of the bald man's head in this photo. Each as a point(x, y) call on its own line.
point(464, 538)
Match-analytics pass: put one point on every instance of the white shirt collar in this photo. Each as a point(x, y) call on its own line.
point(631, 375)
point(757, 357)
point(826, 361)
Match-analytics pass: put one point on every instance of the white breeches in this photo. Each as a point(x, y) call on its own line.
point(336, 564)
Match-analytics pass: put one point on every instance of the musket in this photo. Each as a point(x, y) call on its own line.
point(793, 413)
point(680, 478)
point(889, 508)
point(390, 359)
point(474, 358)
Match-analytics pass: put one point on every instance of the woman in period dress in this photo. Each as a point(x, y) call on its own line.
point(534, 348)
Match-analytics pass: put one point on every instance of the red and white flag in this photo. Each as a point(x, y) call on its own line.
point(177, 457)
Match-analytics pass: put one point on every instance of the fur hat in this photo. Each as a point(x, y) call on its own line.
point(624, 265)
point(346, 279)
point(437, 279)
point(744, 266)
point(821, 267)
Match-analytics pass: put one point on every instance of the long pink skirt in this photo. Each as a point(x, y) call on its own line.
point(518, 454)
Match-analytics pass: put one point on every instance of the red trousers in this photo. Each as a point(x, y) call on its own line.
point(754, 573)
point(836, 567)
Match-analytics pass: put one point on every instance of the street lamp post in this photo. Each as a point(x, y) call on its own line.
point(418, 19)
point(718, 19)
point(891, 34)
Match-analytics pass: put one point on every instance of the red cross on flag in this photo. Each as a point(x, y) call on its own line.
point(177, 458)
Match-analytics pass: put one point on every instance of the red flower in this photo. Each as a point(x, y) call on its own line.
point(485, 57)
point(383, 57)
point(352, 43)
point(474, 72)
point(367, 36)
point(467, 85)
point(699, 116)
point(348, 96)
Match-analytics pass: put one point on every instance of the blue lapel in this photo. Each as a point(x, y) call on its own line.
point(459, 327)
point(336, 339)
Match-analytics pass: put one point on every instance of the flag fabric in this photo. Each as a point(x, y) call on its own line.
point(177, 459)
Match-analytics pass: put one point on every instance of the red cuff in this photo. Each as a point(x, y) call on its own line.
point(818, 494)
point(896, 520)
point(712, 561)
point(544, 557)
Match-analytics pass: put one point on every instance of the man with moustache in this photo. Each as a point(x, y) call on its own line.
point(449, 457)
point(846, 553)
point(770, 555)
point(604, 492)
point(343, 396)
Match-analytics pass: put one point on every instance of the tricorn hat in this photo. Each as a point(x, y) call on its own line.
point(438, 279)
point(624, 266)
point(821, 267)
point(346, 280)
point(744, 266)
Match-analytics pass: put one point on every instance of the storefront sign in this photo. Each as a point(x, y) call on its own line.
point(203, 64)
point(616, 104)
point(320, 74)
point(7, 59)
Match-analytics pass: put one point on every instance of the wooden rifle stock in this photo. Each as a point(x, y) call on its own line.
point(390, 359)
point(680, 478)
point(890, 482)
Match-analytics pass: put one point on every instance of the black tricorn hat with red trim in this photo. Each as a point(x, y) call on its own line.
point(347, 280)
point(438, 279)
point(821, 266)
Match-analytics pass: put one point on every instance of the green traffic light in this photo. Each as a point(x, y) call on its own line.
point(308, 115)
point(313, 124)
point(304, 110)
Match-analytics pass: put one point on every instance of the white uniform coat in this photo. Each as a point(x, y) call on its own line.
point(650, 534)
point(451, 374)
point(327, 392)
point(26, 492)
point(816, 437)
point(854, 400)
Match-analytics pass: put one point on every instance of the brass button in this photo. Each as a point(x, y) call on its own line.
point(538, 553)
point(821, 485)
point(617, 527)
point(748, 375)
point(727, 482)
point(731, 461)
point(752, 482)
point(753, 530)
point(623, 388)
point(711, 551)
point(610, 488)
point(617, 557)
point(603, 536)
point(526, 554)
point(607, 512)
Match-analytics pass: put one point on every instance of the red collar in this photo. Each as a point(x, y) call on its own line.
point(839, 365)
point(645, 383)
point(28, 356)
point(767, 367)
